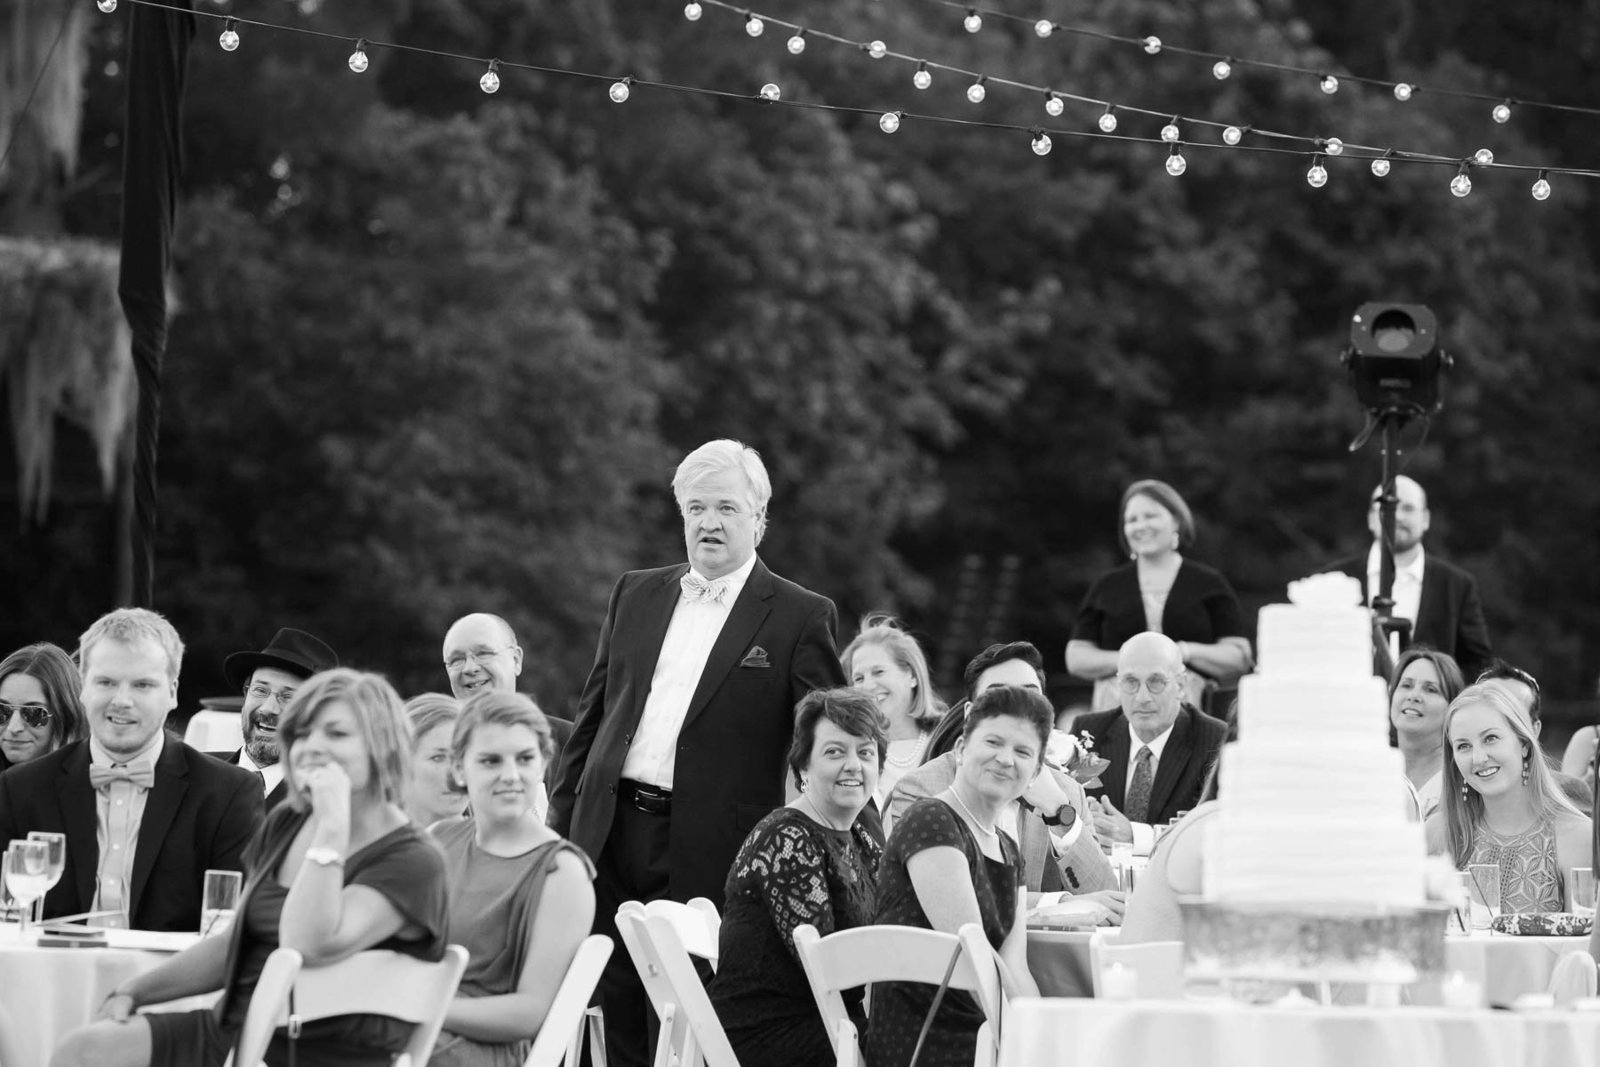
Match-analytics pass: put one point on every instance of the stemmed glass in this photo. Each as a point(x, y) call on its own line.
point(54, 865)
point(27, 864)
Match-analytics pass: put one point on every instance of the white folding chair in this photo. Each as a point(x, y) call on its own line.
point(690, 1030)
point(1573, 978)
point(698, 925)
point(851, 958)
point(376, 982)
point(1156, 966)
point(560, 1038)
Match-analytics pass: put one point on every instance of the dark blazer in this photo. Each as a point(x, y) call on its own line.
point(1194, 745)
point(199, 815)
point(730, 765)
point(1449, 612)
point(1201, 607)
point(280, 792)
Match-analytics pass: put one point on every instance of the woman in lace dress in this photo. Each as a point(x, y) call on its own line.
point(887, 664)
point(813, 862)
point(1502, 805)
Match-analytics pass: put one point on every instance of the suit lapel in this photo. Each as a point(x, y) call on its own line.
point(745, 618)
point(658, 600)
point(1115, 780)
point(1174, 761)
point(1431, 609)
point(81, 823)
point(160, 807)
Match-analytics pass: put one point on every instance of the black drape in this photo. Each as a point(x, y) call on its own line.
point(152, 162)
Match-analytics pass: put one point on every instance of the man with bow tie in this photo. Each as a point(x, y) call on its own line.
point(683, 726)
point(144, 814)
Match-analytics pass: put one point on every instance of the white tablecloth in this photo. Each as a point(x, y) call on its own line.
point(1068, 1033)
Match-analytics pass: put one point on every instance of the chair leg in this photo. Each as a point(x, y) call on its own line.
point(664, 1056)
point(596, 1020)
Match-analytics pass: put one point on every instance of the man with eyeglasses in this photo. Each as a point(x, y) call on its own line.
point(1524, 687)
point(268, 679)
point(1159, 747)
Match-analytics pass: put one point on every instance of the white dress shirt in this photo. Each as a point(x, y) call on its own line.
point(117, 849)
point(1144, 835)
point(270, 776)
point(1407, 590)
point(694, 628)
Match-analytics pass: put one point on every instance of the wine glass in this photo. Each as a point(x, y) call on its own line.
point(27, 863)
point(54, 865)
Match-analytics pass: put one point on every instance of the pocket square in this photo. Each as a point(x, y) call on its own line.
point(756, 657)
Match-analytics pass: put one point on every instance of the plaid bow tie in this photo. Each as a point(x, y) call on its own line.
point(141, 775)
point(698, 590)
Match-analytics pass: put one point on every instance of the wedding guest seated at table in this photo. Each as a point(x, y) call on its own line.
point(268, 679)
point(1579, 758)
point(433, 794)
point(812, 861)
point(521, 896)
point(1060, 850)
point(336, 869)
point(1502, 805)
point(887, 664)
point(1525, 688)
point(40, 709)
point(144, 814)
point(1425, 682)
point(947, 864)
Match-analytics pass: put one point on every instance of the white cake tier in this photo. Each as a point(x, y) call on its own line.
point(1255, 856)
point(1322, 642)
point(1312, 710)
point(1313, 781)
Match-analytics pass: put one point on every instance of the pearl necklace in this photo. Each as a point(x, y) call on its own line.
point(910, 761)
point(975, 820)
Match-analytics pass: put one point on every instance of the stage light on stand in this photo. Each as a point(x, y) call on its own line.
point(1394, 359)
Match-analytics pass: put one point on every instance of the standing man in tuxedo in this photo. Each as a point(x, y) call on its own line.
point(1160, 748)
point(268, 680)
point(685, 720)
point(144, 814)
point(1440, 599)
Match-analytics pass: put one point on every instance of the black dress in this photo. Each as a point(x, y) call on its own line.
point(789, 871)
point(1201, 607)
point(899, 1008)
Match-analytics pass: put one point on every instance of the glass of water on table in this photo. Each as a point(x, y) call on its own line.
point(219, 902)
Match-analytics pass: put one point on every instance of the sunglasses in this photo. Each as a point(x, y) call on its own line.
point(34, 715)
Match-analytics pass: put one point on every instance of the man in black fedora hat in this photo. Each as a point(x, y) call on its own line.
point(268, 680)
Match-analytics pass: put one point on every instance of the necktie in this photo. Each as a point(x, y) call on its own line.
point(1137, 809)
point(698, 590)
point(141, 775)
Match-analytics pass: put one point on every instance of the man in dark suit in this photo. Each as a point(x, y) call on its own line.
point(1159, 747)
point(269, 679)
point(1440, 599)
point(144, 814)
point(682, 728)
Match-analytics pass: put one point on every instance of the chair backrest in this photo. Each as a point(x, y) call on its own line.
point(560, 1037)
point(697, 922)
point(1573, 978)
point(376, 982)
point(690, 1029)
point(1155, 968)
point(866, 954)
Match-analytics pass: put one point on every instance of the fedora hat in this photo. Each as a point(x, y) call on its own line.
point(291, 650)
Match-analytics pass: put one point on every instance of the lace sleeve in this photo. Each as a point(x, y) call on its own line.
point(791, 865)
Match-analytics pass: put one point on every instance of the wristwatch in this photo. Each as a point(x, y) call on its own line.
point(1062, 818)
point(324, 857)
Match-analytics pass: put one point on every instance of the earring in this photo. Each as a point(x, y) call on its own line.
point(1466, 791)
point(1176, 541)
point(1524, 770)
point(804, 782)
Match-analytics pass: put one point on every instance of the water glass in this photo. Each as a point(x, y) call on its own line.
point(25, 874)
point(1580, 891)
point(55, 864)
point(219, 901)
point(1484, 879)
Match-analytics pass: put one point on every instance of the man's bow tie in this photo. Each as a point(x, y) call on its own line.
point(140, 774)
point(699, 590)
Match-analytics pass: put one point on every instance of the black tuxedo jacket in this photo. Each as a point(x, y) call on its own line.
point(1449, 612)
point(198, 815)
point(280, 792)
point(1195, 743)
point(776, 646)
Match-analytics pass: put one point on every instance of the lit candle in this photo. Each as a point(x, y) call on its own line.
point(1459, 991)
point(1119, 983)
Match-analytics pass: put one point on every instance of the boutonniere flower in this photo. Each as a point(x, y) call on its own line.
point(1073, 755)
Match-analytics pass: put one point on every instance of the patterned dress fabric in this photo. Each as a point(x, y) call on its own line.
point(1530, 874)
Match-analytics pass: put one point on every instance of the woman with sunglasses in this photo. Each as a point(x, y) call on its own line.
point(39, 702)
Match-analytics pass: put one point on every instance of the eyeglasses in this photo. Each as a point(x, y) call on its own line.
point(260, 693)
point(1157, 684)
point(34, 715)
point(458, 660)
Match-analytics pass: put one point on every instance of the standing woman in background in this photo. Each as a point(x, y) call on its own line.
point(887, 664)
point(1158, 590)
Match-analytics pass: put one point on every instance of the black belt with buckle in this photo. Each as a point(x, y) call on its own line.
point(650, 799)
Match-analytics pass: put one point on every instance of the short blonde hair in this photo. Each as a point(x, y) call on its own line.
point(379, 716)
point(128, 626)
point(721, 457)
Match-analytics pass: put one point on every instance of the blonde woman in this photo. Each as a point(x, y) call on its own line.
point(886, 663)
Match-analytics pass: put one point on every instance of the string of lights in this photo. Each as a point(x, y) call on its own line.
point(1223, 64)
point(1040, 138)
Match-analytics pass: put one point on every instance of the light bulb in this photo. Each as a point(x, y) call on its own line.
point(1380, 168)
point(1221, 69)
point(770, 91)
point(1108, 121)
point(922, 79)
point(490, 82)
point(976, 92)
point(1317, 176)
point(230, 37)
point(1044, 27)
point(797, 44)
point(890, 121)
point(1152, 44)
point(106, 6)
point(1541, 188)
point(1041, 144)
point(1169, 132)
point(1483, 157)
point(692, 11)
point(1333, 146)
point(1330, 84)
point(358, 58)
point(973, 22)
point(1232, 135)
point(1461, 185)
point(755, 27)
point(1176, 164)
point(1053, 105)
point(1403, 91)
point(1502, 111)
point(619, 92)
point(877, 49)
